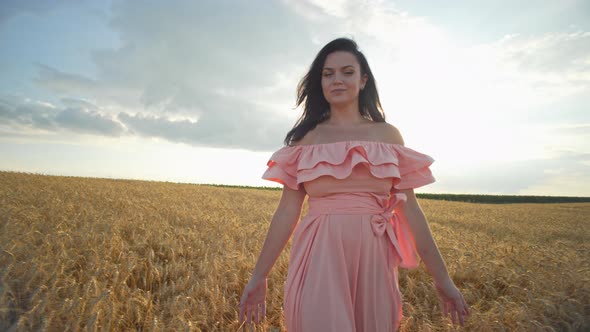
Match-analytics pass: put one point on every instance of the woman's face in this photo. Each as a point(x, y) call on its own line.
point(341, 78)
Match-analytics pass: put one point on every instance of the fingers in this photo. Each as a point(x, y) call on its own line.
point(246, 312)
point(456, 309)
point(252, 313)
point(243, 307)
point(242, 312)
point(463, 309)
point(454, 314)
point(443, 308)
point(260, 312)
point(459, 310)
point(465, 306)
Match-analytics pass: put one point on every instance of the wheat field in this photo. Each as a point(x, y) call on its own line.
point(119, 255)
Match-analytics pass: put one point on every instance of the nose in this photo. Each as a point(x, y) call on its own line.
point(337, 79)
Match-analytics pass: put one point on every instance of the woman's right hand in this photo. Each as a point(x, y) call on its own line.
point(253, 301)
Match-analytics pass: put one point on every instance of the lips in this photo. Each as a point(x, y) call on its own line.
point(338, 90)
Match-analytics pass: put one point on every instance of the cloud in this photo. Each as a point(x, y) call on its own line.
point(32, 115)
point(61, 81)
point(565, 55)
point(26, 112)
point(218, 62)
point(72, 86)
point(222, 62)
point(87, 121)
point(552, 64)
point(221, 65)
point(522, 177)
point(573, 129)
point(235, 131)
point(214, 73)
point(78, 103)
point(11, 8)
point(185, 59)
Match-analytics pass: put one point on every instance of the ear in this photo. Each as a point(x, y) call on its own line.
point(364, 80)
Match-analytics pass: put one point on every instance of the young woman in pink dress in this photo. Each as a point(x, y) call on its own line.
point(363, 218)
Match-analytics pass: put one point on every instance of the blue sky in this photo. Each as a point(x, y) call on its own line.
point(204, 91)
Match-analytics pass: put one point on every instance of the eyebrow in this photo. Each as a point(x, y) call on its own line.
point(342, 67)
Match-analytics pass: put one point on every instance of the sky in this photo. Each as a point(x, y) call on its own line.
point(496, 92)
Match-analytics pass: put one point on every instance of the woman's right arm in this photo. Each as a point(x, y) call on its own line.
point(281, 227)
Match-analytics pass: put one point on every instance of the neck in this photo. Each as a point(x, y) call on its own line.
point(345, 115)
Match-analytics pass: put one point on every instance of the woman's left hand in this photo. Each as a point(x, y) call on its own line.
point(253, 301)
point(452, 301)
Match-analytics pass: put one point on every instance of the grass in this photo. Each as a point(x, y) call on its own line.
point(103, 254)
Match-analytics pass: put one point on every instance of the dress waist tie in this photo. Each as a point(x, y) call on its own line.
point(384, 217)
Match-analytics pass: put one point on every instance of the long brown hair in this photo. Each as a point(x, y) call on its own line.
point(309, 91)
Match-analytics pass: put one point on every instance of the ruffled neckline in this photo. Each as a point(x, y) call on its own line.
point(295, 164)
point(343, 142)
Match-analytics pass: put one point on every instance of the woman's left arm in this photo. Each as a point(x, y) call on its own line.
point(425, 245)
point(452, 301)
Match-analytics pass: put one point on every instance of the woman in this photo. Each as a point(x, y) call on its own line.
point(363, 218)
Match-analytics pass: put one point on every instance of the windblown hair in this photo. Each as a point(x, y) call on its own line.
point(316, 108)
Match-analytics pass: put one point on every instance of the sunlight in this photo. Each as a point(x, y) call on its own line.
point(459, 104)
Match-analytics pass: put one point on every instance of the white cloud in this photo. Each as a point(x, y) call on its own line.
point(224, 61)
point(31, 116)
point(77, 86)
point(221, 65)
point(523, 177)
point(11, 8)
point(557, 64)
point(88, 121)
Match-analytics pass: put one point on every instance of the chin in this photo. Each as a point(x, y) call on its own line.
point(340, 102)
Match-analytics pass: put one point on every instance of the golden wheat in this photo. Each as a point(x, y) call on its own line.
point(102, 254)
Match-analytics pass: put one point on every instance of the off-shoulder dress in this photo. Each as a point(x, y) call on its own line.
point(345, 252)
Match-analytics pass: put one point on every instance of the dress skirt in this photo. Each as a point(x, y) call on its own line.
point(343, 269)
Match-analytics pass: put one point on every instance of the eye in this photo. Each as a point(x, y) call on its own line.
point(327, 74)
point(349, 73)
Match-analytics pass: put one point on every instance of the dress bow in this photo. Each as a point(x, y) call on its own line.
point(384, 222)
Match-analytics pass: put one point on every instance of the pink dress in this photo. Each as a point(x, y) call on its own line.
point(346, 250)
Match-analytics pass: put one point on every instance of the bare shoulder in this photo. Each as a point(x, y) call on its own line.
point(308, 138)
point(388, 133)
